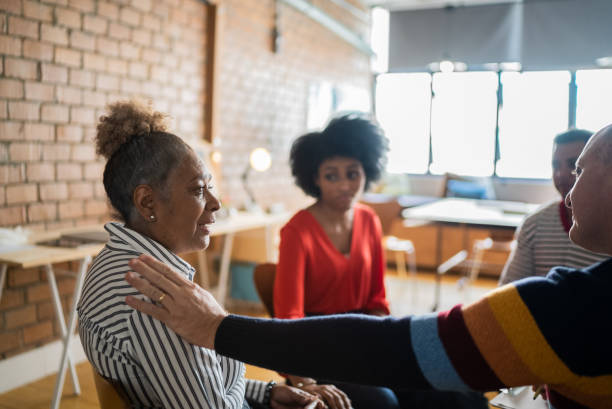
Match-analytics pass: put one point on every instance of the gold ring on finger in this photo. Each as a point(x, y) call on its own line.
point(161, 297)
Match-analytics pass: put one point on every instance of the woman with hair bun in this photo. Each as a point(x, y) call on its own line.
point(162, 193)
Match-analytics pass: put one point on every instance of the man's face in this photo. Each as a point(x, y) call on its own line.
point(563, 164)
point(591, 197)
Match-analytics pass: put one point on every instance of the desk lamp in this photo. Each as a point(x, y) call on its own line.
point(259, 160)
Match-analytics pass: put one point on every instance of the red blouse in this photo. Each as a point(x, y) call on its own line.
point(313, 277)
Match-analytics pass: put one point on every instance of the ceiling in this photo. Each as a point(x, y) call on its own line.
point(430, 4)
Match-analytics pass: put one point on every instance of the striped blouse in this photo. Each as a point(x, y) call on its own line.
point(155, 366)
point(542, 243)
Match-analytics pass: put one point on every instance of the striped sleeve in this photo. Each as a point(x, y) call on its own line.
point(183, 375)
point(255, 390)
point(521, 262)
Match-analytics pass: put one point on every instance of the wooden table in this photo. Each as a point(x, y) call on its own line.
point(240, 221)
point(33, 255)
point(469, 212)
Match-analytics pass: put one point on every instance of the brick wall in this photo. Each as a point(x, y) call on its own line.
point(63, 60)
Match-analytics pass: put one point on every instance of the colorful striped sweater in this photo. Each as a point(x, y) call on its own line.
point(555, 330)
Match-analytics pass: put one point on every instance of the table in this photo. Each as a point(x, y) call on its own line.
point(470, 212)
point(229, 226)
point(32, 255)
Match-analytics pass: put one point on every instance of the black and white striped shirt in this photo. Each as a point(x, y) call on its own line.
point(155, 366)
point(543, 243)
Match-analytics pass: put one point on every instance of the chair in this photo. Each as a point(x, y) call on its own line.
point(472, 265)
point(388, 210)
point(263, 277)
point(110, 394)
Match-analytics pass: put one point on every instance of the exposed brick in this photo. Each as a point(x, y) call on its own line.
point(22, 27)
point(53, 191)
point(119, 31)
point(150, 55)
point(38, 292)
point(83, 5)
point(117, 66)
point(69, 171)
point(10, 45)
point(96, 208)
point(9, 341)
point(71, 210)
point(94, 170)
point(82, 41)
point(159, 73)
point(11, 299)
point(56, 152)
point(142, 5)
point(37, 332)
point(68, 95)
point(80, 190)
point(19, 317)
point(83, 153)
point(39, 172)
point(107, 82)
point(82, 78)
point(45, 310)
point(65, 285)
point(37, 11)
point(142, 37)
point(82, 115)
point(55, 113)
point(68, 18)
point(19, 194)
point(12, 173)
point(109, 10)
point(94, 24)
point(151, 22)
point(94, 98)
point(11, 216)
point(29, 111)
point(161, 42)
point(57, 2)
point(3, 109)
point(138, 70)
point(12, 89)
point(37, 50)
point(38, 212)
point(67, 56)
point(54, 73)
point(107, 46)
point(129, 16)
point(54, 34)
point(129, 86)
point(19, 68)
point(12, 6)
point(38, 92)
point(38, 132)
point(129, 51)
point(99, 190)
point(94, 62)
point(24, 152)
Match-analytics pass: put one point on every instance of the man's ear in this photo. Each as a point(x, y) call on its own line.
point(143, 199)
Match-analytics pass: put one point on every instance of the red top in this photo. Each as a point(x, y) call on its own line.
point(313, 277)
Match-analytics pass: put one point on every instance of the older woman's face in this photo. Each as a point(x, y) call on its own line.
point(186, 210)
point(341, 181)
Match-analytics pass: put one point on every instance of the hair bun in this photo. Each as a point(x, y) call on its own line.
point(123, 121)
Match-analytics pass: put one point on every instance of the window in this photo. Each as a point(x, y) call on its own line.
point(593, 110)
point(535, 109)
point(402, 109)
point(463, 123)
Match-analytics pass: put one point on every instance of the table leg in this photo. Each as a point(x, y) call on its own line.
point(224, 273)
point(67, 333)
point(3, 268)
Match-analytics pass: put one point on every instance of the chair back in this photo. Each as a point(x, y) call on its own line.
point(263, 277)
point(387, 211)
point(110, 394)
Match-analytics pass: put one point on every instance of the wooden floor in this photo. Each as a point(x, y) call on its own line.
point(37, 395)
